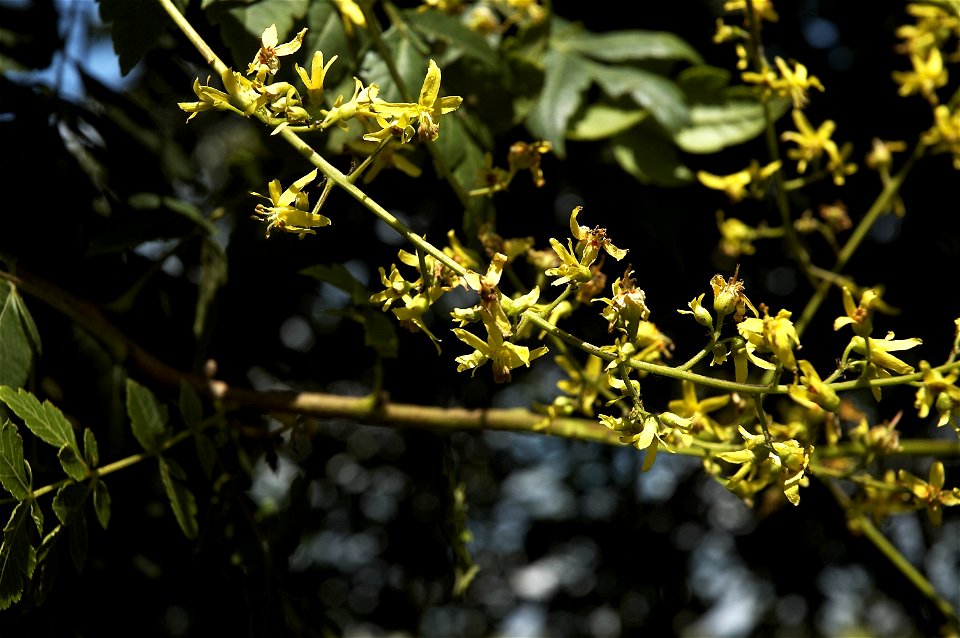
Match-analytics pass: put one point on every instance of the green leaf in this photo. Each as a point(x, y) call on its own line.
point(91, 453)
point(241, 26)
point(68, 506)
point(411, 66)
point(44, 420)
point(15, 352)
point(136, 28)
point(101, 503)
point(566, 77)
point(71, 462)
point(28, 323)
point(634, 44)
point(462, 148)
point(380, 333)
point(703, 83)
point(69, 500)
point(182, 501)
point(446, 28)
point(18, 558)
point(328, 36)
point(14, 475)
point(600, 121)
point(717, 126)
point(148, 417)
point(337, 275)
point(206, 453)
point(191, 410)
point(650, 159)
point(660, 95)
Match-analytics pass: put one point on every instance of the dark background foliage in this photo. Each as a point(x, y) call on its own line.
point(343, 530)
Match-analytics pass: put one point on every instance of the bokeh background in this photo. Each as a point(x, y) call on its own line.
point(340, 528)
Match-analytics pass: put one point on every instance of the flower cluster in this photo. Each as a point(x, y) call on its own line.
point(280, 103)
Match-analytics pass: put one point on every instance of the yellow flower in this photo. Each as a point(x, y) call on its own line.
point(700, 314)
point(794, 82)
point(735, 185)
point(628, 308)
point(290, 209)
point(934, 27)
point(698, 410)
point(940, 391)
point(395, 288)
point(352, 14)
point(771, 334)
point(361, 103)
point(486, 286)
point(728, 297)
point(811, 144)
point(859, 317)
point(210, 98)
point(575, 263)
point(429, 106)
point(927, 76)
point(786, 458)
point(813, 393)
point(944, 136)
point(762, 8)
point(581, 383)
point(314, 81)
point(930, 494)
point(591, 242)
point(265, 61)
point(524, 156)
point(503, 355)
point(880, 350)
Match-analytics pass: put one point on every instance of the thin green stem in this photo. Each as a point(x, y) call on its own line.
point(209, 56)
point(879, 206)
point(860, 523)
point(116, 466)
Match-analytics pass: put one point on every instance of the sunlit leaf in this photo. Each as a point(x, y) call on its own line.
point(566, 77)
point(600, 121)
point(717, 126)
point(634, 44)
point(44, 420)
point(660, 95)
